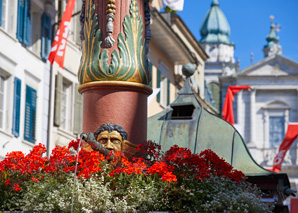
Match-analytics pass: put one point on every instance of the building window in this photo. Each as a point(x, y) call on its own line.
point(275, 118)
point(163, 97)
point(36, 38)
point(75, 26)
point(7, 16)
point(45, 36)
point(2, 101)
point(158, 79)
point(30, 115)
point(16, 107)
point(66, 106)
point(150, 71)
point(3, 13)
point(164, 91)
point(78, 111)
point(24, 21)
point(61, 8)
point(276, 130)
point(215, 90)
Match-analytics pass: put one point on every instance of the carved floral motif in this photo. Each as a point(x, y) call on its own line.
point(130, 65)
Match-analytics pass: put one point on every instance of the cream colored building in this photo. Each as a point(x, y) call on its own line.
point(25, 41)
point(66, 102)
point(171, 46)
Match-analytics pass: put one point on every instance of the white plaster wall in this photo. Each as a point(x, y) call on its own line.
point(26, 64)
point(266, 91)
point(246, 114)
point(30, 69)
point(46, 102)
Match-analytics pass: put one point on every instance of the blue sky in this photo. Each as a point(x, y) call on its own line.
point(250, 24)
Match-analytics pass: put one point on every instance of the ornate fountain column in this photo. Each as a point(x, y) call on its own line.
point(113, 73)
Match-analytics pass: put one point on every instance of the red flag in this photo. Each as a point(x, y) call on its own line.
point(227, 111)
point(291, 135)
point(58, 48)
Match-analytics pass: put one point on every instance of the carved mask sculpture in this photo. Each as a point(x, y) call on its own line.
point(110, 140)
point(110, 137)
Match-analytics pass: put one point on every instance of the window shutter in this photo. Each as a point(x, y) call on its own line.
point(30, 115)
point(27, 22)
point(16, 107)
point(20, 27)
point(27, 129)
point(46, 36)
point(158, 85)
point(1, 12)
point(78, 111)
point(168, 92)
point(58, 96)
point(33, 115)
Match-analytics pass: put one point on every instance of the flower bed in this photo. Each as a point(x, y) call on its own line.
point(151, 181)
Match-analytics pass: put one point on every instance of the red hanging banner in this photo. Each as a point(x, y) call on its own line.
point(291, 135)
point(227, 111)
point(58, 47)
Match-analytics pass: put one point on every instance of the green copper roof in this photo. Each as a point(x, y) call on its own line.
point(272, 37)
point(215, 27)
point(187, 124)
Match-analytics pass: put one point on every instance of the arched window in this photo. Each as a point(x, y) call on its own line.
point(276, 119)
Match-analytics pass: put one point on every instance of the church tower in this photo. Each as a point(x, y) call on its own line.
point(272, 47)
point(215, 31)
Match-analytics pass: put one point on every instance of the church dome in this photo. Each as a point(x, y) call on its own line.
point(272, 47)
point(215, 27)
point(272, 37)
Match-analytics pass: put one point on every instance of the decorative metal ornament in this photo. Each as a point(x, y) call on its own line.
point(110, 137)
point(111, 10)
point(128, 63)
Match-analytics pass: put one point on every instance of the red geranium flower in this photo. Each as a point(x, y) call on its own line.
point(17, 187)
point(7, 182)
point(34, 179)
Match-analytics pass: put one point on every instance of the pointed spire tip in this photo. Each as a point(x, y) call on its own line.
point(215, 3)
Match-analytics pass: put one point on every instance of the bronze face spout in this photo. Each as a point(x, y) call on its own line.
point(110, 138)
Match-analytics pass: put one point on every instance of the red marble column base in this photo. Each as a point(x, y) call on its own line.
point(116, 102)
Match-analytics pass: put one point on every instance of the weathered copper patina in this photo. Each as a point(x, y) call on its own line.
point(186, 123)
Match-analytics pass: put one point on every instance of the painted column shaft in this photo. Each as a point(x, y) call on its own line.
point(123, 105)
point(113, 73)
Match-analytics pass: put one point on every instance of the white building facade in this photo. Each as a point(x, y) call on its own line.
point(263, 113)
point(25, 39)
point(39, 103)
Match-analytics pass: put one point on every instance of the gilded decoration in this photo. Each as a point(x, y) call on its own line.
point(130, 66)
point(109, 138)
point(111, 10)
